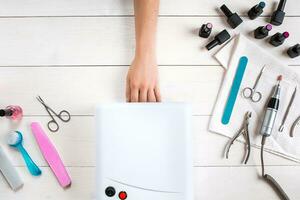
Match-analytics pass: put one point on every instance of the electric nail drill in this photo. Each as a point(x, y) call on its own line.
point(278, 16)
point(219, 39)
point(278, 38)
point(262, 31)
point(294, 51)
point(12, 112)
point(271, 112)
point(266, 131)
point(233, 19)
point(256, 10)
point(205, 30)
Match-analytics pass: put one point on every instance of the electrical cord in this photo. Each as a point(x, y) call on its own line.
point(268, 178)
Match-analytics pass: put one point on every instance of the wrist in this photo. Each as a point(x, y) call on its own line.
point(145, 48)
point(145, 60)
point(145, 54)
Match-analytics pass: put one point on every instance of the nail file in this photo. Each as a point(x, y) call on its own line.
point(9, 172)
point(51, 155)
point(234, 89)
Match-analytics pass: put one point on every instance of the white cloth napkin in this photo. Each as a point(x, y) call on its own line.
point(279, 143)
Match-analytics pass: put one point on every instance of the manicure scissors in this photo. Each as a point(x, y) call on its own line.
point(63, 115)
point(245, 132)
point(251, 93)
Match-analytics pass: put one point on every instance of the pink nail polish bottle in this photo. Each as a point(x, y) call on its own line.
point(13, 112)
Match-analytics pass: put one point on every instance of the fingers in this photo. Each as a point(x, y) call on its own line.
point(157, 94)
point(151, 96)
point(134, 94)
point(142, 94)
point(127, 91)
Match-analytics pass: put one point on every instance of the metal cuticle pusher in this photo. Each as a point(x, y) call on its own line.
point(287, 111)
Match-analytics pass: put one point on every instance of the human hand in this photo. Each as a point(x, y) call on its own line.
point(142, 81)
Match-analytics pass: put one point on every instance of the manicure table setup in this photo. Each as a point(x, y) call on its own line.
point(228, 126)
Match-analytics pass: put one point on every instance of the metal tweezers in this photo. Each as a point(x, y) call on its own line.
point(245, 132)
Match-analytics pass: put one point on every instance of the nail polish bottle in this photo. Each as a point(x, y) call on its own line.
point(219, 39)
point(278, 16)
point(233, 19)
point(205, 30)
point(257, 10)
point(278, 39)
point(294, 51)
point(262, 31)
point(13, 112)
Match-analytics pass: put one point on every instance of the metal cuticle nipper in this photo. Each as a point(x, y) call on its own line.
point(245, 132)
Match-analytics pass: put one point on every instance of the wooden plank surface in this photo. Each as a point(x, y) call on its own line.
point(78, 89)
point(125, 7)
point(47, 187)
point(95, 40)
point(75, 54)
point(210, 183)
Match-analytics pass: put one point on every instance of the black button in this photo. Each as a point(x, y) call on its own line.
point(110, 191)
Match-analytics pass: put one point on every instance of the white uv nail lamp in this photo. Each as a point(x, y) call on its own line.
point(144, 152)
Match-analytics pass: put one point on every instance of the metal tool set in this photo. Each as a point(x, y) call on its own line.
point(268, 122)
point(234, 20)
point(267, 125)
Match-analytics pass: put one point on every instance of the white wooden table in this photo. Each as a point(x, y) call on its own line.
point(75, 53)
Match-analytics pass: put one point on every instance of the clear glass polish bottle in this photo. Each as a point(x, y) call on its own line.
point(12, 112)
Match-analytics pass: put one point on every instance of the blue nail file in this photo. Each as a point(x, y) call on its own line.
point(234, 89)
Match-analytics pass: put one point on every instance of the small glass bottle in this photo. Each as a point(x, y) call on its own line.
point(13, 112)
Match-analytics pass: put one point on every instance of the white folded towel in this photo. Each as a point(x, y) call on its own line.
point(279, 143)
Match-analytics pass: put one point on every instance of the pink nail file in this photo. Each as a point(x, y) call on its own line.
point(51, 155)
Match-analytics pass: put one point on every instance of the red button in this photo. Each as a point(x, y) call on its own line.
point(123, 195)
